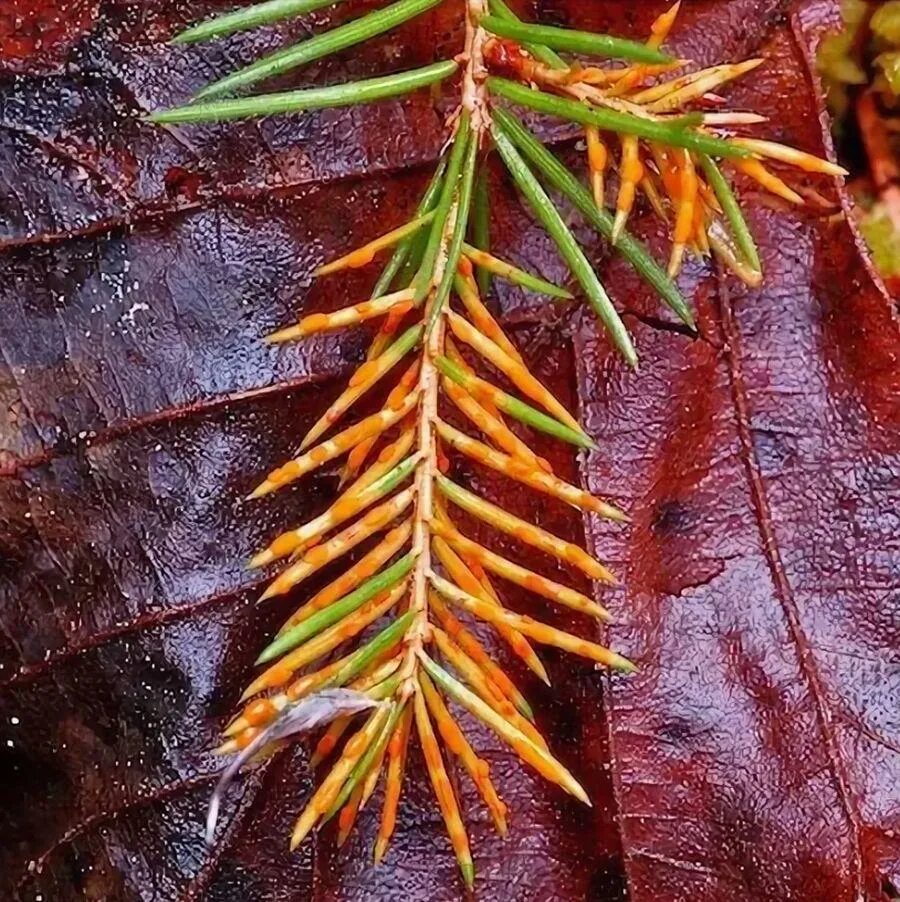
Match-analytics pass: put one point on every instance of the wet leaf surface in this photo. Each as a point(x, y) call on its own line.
point(757, 753)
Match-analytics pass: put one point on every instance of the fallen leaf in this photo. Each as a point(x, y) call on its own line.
point(756, 755)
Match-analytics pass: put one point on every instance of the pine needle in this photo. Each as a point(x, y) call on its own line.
point(308, 98)
point(514, 370)
point(349, 316)
point(525, 532)
point(497, 267)
point(364, 255)
point(771, 182)
point(320, 556)
point(540, 632)
point(483, 391)
point(476, 679)
point(491, 425)
point(528, 475)
point(249, 17)
point(479, 314)
point(318, 47)
point(521, 576)
point(340, 444)
point(366, 567)
point(461, 573)
point(475, 650)
point(328, 640)
point(540, 760)
point(446, 797)
point(329, 788)
point(366, 377)
point(396, 753)
point(456, 742)
point(337, 610)
point(382, 478)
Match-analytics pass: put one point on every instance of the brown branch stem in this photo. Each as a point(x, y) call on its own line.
point(473, 99)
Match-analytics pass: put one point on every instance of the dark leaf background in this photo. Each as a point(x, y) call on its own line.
point(756, 756)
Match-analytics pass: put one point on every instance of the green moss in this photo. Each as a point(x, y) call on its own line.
point(884, 240)
point(838, 64)
point(846, 62)
point(885, 22)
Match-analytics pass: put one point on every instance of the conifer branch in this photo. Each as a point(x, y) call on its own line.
point(390, 637)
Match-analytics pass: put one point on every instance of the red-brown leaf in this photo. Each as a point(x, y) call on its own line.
point(757, 753)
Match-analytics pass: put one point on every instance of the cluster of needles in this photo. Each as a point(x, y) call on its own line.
point(393, 636)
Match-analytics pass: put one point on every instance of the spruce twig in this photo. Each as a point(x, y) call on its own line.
point(392, 634)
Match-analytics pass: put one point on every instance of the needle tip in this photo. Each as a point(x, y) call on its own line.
point(250, 691)
point(238, 725)
point(623, 664)
point(264, 488)
point(269, 652)
point(613, 513)
point(577, 790)
point(271, 592)
point(261, 559)
point(283, 335)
